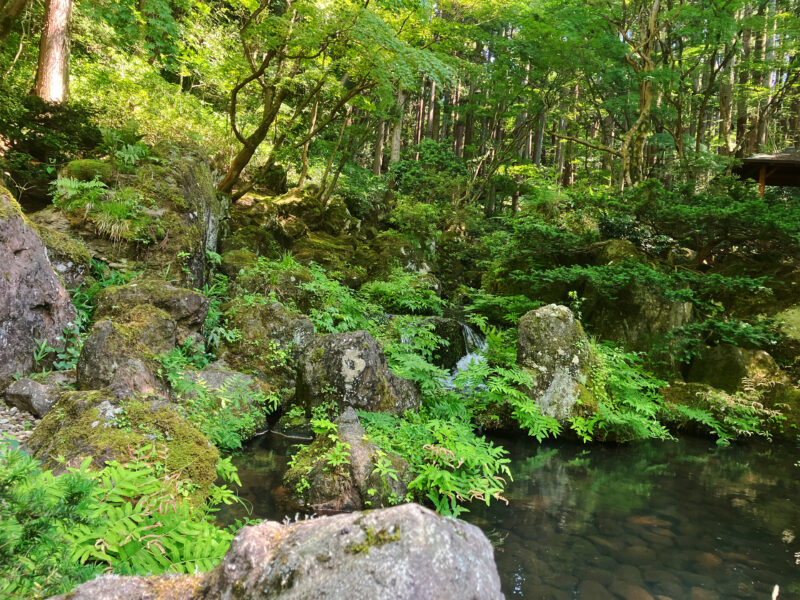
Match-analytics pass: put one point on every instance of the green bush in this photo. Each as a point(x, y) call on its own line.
point(131, 518)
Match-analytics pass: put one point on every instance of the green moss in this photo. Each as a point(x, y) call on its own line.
point(374, 539)
point(63, 245)
point(76, 428)
point(9, 207)
point(87, 169)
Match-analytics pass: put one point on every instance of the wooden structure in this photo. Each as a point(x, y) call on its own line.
point(772, 169)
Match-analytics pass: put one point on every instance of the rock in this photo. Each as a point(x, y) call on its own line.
point(617, 251)
point(553, 347)
point(637, 317)
point(233, 262)
point(725, 367)
point(401, 553)
point(334, 252)
point(630, 592)
point(88, 169)
point(69, 256)
point(270, 341)
point(121, 356)
point(99, 425)
point(404, 552)
point(33, 302)
point(273, 181)
point(452, 332)
point(698, 593)
point(353, 486)
point(156, 587)
point(592, 590)
point(188, 309)
point(350, 369)
point(337, 219)
point(787, 352)
point(37, 398)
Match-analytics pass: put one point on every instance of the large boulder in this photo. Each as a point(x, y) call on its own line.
point(69, 256)
point(188, 309)
point(730, 368)
point(554, 349)
point(34, 305)
point(99, 425)
point(401, 553)
point(636, 317)
point(38, 397)
point(269, 343)
point(355, 485)
point(121, 355)
point(350, 369)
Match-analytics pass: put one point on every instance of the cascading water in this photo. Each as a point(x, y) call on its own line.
point(476, 347)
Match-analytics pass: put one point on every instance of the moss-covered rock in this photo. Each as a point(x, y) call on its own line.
point(285, 282)
point(617, 251)
point(554, 349)
point(334, 252)
point(233, 262)
point(88, 169)
point(729, 367)
point(69, 256)
point(99, 425)
point(121, 356)
point(351, 486)
point(188, 309)
point(787, 351)
point(269, 343)
point(350, 369)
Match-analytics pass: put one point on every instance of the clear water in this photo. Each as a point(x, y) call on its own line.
point(680, 520)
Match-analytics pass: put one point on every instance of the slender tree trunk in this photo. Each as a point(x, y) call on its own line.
point(397, 132)
point(312, 124)
point(433, 114)
point(726, 108)
point(52, 73)
point(10, 11)
point(377, 159)
point(538, 141)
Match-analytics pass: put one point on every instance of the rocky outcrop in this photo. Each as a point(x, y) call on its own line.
point(188, 309)
point(450, 330)
point(350, 369)
point(729, 367)
point(121, 356)
point(269, 344)
point(99, 425)
point(70, 258)
point(636, 317)
point(554, 349)
point(38, 397)
point(401, 553)
point(355, 485)
point(34, 305)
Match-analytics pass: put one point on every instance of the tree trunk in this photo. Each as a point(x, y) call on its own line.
point(377, 159)
point(726, 109)
point(312, 124)
point(538, 141)
point(52, 73)
point(9, 12)
point(397, 132)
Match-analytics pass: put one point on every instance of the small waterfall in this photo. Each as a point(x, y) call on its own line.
point(476, 346)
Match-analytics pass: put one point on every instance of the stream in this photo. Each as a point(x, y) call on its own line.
point(685, 520)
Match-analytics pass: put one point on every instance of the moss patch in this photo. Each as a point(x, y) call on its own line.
point(88, 169)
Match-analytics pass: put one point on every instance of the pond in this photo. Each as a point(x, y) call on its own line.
point(681, 520)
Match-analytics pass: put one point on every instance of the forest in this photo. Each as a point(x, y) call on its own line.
point(276, 269)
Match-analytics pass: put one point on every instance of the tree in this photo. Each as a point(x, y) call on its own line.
point(52, 73)
point(10, 11)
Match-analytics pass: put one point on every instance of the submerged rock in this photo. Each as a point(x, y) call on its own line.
point(355, 485)
point(401, 553)
point(350, 369)
point(555, 350)
point(34, 305)
point(99, 425)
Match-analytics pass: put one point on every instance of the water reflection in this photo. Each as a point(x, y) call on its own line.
point(672, 520)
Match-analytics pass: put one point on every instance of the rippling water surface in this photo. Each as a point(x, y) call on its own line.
point(680, 520)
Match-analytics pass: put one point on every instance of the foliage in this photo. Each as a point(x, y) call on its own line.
point(405, 293)
point(228, 414)
point(450, 463)
point(335, 307)
point(131, 518)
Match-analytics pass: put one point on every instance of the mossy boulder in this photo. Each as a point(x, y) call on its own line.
point(99, 425)
point(285, 282)
point(34, 304)
point(122, 355)
point(271, 338)
point(351, 486)
point(187, 308)
point(787, 351)
point(234, 262)
point(334, 252)
point(337, 218)
point(38, 396)
point(729, 368)
point(87, 169)
point(350, 369)
point(617, 251)
point(554, 349)
point(388, 250)
point(69, 256)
